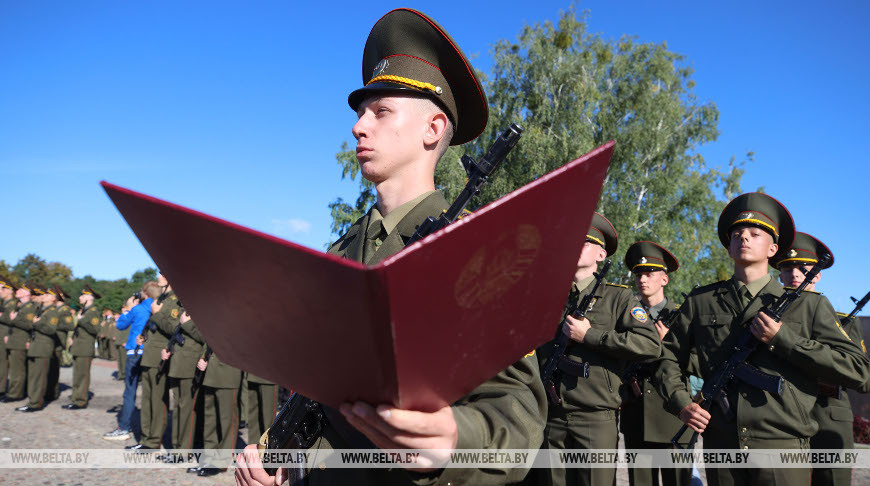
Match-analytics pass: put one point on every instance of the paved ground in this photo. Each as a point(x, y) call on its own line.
point(55, 427)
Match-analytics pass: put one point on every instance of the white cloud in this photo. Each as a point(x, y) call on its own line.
point(290, 226)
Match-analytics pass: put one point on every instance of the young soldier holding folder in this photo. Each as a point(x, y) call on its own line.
point(420, 96)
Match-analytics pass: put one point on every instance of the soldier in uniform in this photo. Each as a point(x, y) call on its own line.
point(617, 329)
point(7, 307)
point(21, 323)
point(805, 346)
point(120, 339)
point(262, 406)
point(420, 96)
point(220, 388)
point(181, 370)
point(43, 341)
point(832, 410)
point(65, 324)
point(155, 394)
point(82, 348)
point(644, 422)
point(102, 353)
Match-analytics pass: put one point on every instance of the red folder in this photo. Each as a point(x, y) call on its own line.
point(419, 330)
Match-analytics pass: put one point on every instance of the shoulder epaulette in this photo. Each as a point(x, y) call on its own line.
point(616, 285)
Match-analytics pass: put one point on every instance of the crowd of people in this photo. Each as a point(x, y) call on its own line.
point(38, 325)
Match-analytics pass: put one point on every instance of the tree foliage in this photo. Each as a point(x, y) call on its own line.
point(33, 268)
point(572, 91)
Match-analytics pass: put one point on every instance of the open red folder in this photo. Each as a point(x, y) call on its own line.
point(419, 330)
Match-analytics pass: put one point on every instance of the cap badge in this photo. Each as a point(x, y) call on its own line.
point(380, 67)
point(792, 253)
point(748, 216)
point(642, 260)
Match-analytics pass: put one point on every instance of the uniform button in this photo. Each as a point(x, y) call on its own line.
point(649, 391)
point(771, 347)
point(746, 447)
point(743, 430)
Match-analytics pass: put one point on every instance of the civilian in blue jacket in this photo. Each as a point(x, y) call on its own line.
point(135, 317)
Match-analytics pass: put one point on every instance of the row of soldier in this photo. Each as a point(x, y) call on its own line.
point(38, 324)
point(419, 96)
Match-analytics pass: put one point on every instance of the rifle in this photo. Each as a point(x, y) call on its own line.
point(478, 174)
point(550, 375)
point(300, 421)
point(176, 338)
point(859, 304)
point(736, 366)
point(199, 374)
point(640, 369)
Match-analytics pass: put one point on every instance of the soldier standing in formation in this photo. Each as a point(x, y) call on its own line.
point(832, 410)
point(155, 394)
point(181, 370)
point(7, 307)
point(82, 348)
point(65, 325)
point(119, 339)
point(219, 392)
point(40, 350)
point(616, 330)
point(420, 96)
point(21, 322)
point(644, 422)
point(805, 347)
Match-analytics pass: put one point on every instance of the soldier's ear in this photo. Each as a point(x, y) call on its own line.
point(436, 128)
point(665, 278)
point(772, 249)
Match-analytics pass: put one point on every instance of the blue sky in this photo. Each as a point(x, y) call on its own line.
point(238, 108)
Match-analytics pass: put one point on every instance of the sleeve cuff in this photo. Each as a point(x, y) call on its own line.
point(679, 400)
point(593, 337)
point(784, 342)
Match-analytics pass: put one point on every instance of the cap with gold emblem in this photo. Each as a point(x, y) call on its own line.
point(646, 256)
point(762, 211)
point(408, 52)
point(36, 289)
point(7, 283)
point(602, 232)
point(89, 291)
point(805, 250)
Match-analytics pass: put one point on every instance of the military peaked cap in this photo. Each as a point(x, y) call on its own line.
point(602, 232)
point(5, 282)
point(408, 52)
point(89, 291)
point(644, 256)
point(805, 250)
point(759, 210)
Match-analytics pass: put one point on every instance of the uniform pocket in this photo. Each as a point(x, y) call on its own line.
point(841, 414)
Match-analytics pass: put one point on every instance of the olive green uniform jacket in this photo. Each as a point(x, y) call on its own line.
point(165, 320)
point(22, 325)
point(646, 418)
point(810, 346)
point(506, 412)
point(44, 338)
point(185, 356)
point(65, 323)
point(6, 307)
point(615, 338)
point(221, 375)
point(86, 333)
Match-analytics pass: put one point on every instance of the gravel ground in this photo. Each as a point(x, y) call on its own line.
point(56, 428)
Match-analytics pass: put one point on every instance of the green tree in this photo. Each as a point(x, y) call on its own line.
point(573, 91)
